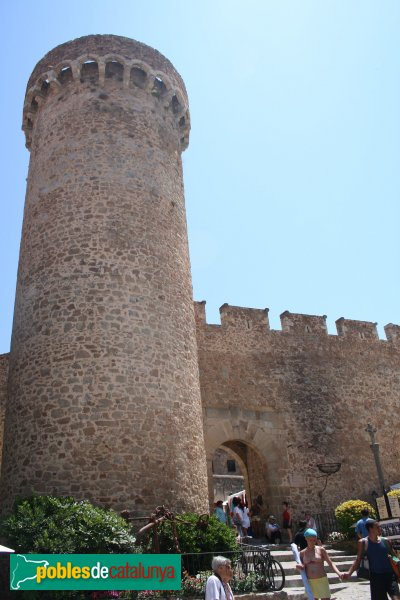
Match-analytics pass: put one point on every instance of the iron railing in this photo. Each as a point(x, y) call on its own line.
point(326, 523)
point(254, 569)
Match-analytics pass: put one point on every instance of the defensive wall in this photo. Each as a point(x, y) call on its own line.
point(284, 401)
point(3, 395)
point(102, 383)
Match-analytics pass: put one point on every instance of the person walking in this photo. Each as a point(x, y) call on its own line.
point(382, 582)
point(361, 529)
point(237, 516)
point(245, 519)
point(287, 520)
point(312, 560)
point(217, 586)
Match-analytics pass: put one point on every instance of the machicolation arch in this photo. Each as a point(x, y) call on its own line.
point(94, 69)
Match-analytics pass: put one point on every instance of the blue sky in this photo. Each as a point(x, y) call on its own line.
point(292, 175)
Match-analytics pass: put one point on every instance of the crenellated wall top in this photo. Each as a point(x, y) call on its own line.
point(96, 58)
point(250, 319)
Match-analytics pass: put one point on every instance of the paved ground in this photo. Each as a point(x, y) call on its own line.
point(357, 590)
point(351, 590)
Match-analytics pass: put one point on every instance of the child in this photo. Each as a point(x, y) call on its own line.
point(313, 558)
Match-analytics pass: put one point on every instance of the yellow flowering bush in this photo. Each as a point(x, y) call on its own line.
point(348, 513)
point(395, 493)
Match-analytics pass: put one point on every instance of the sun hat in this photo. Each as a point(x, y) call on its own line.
point(310, 533)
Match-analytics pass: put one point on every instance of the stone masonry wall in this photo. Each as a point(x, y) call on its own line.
point(3, 396)
point(300, 397)
point(104, 390)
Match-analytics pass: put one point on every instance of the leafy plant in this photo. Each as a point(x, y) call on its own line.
point(216, 537)
point(47, 524)
point(253, 582)
point(196, 536)
point(348, 513)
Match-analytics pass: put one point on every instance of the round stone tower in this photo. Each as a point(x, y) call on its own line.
point(104, 396)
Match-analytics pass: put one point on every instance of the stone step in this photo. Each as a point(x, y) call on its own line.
point(342, 565)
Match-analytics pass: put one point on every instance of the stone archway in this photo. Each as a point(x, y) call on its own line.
point(258, 440)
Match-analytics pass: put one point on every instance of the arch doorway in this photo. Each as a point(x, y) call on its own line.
point(236, 467)
point(259, 452)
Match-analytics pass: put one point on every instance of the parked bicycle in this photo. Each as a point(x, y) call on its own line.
point(258, 559)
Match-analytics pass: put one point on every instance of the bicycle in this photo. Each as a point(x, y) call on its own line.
point(269, 569)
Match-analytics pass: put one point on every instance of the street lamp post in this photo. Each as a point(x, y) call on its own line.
point(375, 451)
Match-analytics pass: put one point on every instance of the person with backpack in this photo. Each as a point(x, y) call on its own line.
point(377, 549)
point(217, 586)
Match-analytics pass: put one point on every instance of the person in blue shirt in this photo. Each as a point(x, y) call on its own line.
point(361, 529)
point(219, 512)
point(382, 578)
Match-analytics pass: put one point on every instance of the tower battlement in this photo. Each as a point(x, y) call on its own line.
point(99, 62)
point(241, 318)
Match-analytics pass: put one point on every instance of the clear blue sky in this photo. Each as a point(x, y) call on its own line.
point(292, 175)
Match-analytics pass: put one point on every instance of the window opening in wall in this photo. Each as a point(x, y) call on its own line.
point(231, 466)
point(45, 87)
point(159, 87)
point(89, 71)
point(182, 122)
point(114, 69)
point(308, 329)
point(34, 105)
point(176, 107)
point(138, 77)
point(65, 75)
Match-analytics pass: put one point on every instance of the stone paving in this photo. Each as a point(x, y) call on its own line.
point(350, 590)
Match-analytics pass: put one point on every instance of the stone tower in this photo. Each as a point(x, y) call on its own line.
point(104, 396)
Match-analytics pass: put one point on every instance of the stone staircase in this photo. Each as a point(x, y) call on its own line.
point(293, 583)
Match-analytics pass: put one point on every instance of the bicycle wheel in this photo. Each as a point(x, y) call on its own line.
point(276, 575)
point(260, 566)
point(244, 564)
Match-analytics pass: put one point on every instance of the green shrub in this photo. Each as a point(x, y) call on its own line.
point(348, 513)
point(216, 537)
point(46, 524)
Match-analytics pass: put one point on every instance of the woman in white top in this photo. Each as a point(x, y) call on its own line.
point(245, 518)
point(217, 586)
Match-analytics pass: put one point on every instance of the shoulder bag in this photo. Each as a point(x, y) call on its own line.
point(363, 569)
